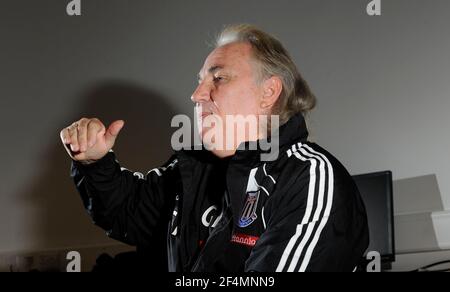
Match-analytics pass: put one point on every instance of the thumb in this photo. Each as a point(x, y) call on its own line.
point(112, 131)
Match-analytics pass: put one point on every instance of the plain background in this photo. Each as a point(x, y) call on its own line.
point(382, 83)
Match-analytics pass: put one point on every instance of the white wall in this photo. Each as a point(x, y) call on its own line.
point(382, 84)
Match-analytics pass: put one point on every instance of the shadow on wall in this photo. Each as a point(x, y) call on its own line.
point(58, 218)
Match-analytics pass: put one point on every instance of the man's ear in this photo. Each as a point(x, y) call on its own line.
point(272, 90)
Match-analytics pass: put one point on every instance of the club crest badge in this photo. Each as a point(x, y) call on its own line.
point(248, 215)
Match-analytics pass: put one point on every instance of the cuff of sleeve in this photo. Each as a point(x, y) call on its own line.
point(107, 161)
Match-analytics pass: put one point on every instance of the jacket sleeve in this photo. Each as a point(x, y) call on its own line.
point(315, 222)
point(128, 205)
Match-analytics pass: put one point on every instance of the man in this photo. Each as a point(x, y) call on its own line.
point(225, 208)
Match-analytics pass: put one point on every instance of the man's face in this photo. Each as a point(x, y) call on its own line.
point(227, 86)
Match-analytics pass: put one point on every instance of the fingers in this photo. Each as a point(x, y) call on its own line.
point(73, 136)
point(76, 136)
point(82, 134)
point(93, 128)
point(65, 138)
point(64, 135)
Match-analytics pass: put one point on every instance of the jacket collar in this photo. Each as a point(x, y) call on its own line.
point(294, 130)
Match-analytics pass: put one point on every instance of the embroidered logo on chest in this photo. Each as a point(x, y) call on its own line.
point(248, 215)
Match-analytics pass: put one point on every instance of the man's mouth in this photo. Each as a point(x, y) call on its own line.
point(205, 114)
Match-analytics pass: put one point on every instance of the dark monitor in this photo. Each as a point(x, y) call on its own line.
point(376, 192)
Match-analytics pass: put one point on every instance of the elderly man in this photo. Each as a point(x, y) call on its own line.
point(225, 208)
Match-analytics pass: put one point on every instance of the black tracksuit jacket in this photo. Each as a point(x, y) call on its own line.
point(300, 212)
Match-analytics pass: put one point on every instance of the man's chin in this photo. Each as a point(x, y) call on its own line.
point(203, 132)
point(209, 138)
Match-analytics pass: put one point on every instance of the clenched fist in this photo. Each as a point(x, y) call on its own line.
point(88, 140)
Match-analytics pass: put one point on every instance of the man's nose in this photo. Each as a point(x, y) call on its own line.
point(202, 93)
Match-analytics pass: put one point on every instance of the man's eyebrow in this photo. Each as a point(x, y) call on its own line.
point(214, 68)
point(211, 70)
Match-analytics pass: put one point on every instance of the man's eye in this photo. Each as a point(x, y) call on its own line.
point(217, 78)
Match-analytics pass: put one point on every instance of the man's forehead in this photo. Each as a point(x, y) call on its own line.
point(225, 57)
